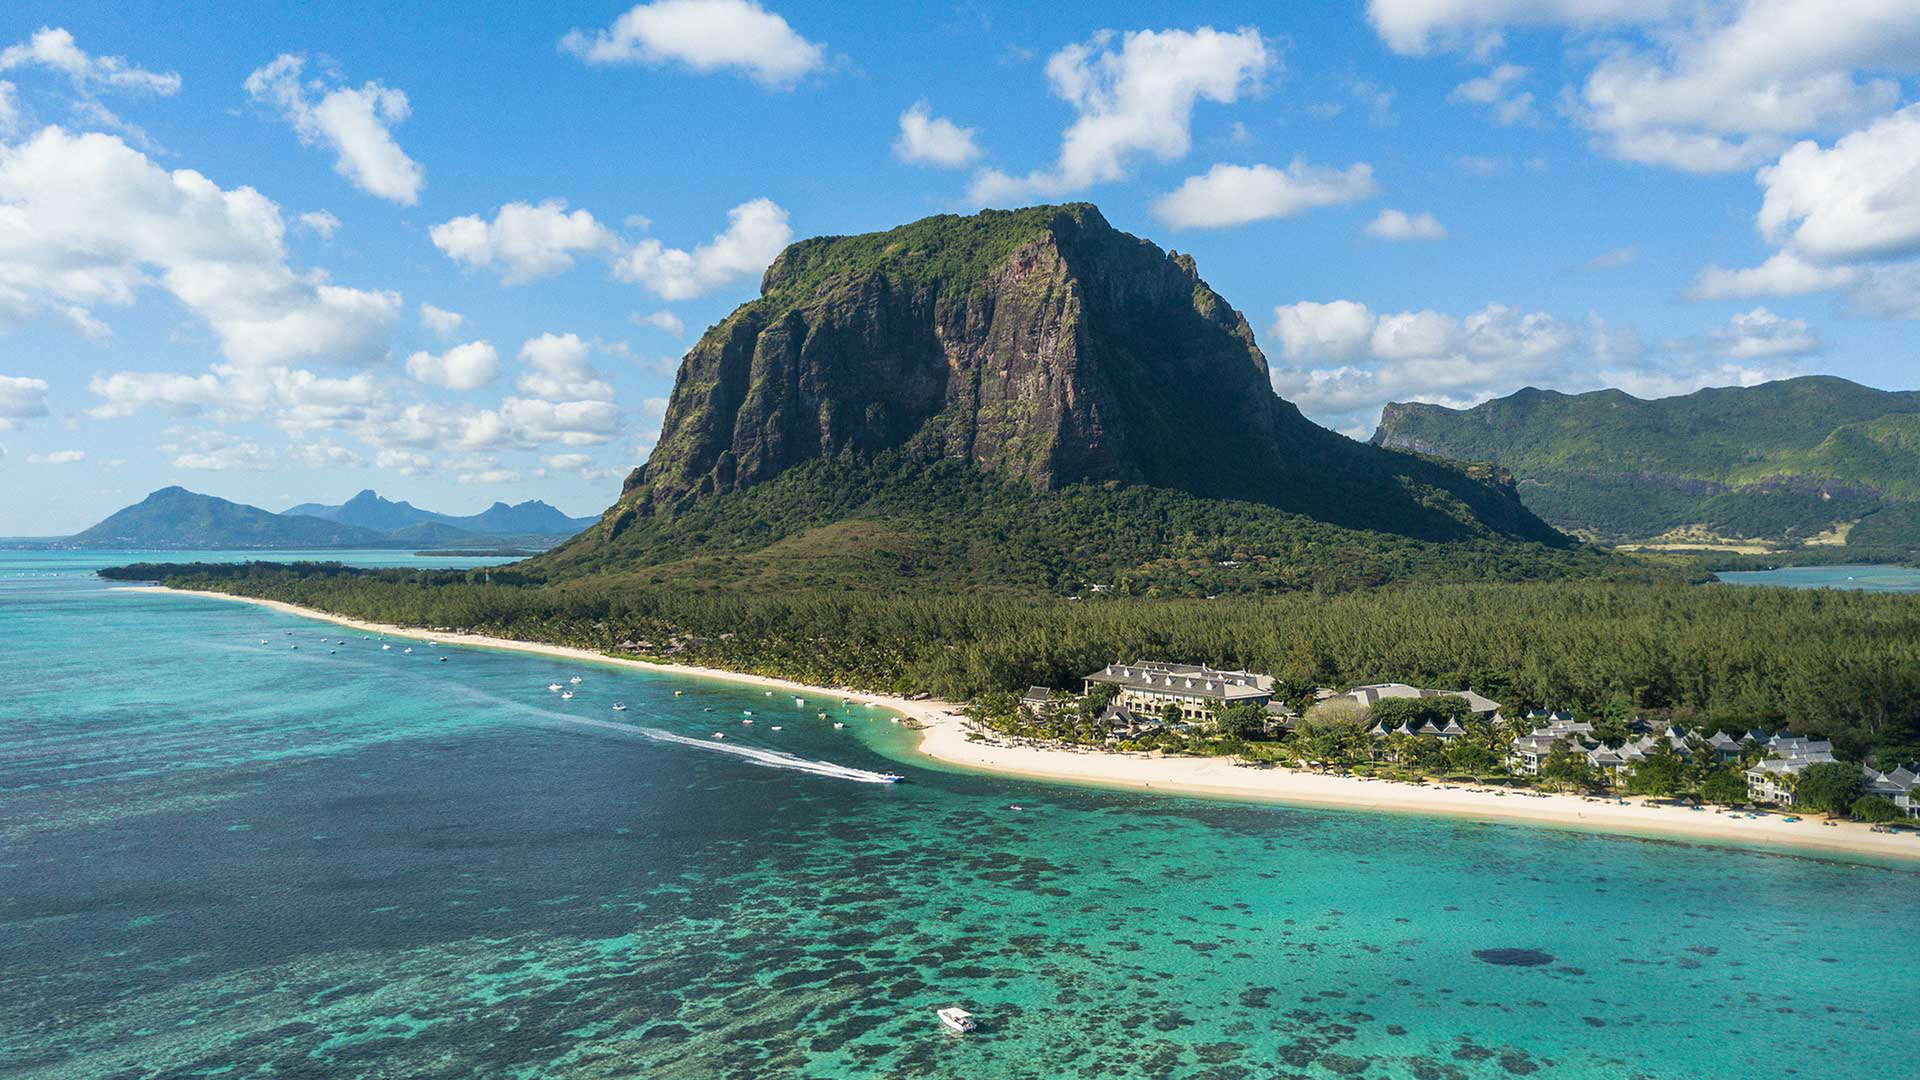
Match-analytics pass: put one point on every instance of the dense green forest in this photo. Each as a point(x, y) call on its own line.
point(1835, 664)
point(898, 519)
point(1783, 461)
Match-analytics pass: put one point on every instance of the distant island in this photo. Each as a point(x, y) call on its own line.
point(1815, 466)
point(174, 518)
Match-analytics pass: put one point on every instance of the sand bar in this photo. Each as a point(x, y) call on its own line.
point(945, 732)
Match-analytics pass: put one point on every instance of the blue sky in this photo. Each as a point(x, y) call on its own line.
point(454, 253)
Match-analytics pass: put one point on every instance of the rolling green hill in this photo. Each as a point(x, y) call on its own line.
point(1790, 464)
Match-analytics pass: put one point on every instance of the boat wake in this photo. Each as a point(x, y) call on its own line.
point(773, 759)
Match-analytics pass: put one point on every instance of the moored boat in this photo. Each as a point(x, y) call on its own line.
point(956, 1019)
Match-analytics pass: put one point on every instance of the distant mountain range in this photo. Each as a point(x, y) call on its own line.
point(176, 518)
point(1809, 462)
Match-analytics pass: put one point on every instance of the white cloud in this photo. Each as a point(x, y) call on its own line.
point(442, 322)
point(487, 474)
point(665, 321)
point(1890, 292)
point(1312, 331)
point(54, 48)
point(355, 123)
point(1858, 200)
point(1498, 90)
point(707, 36)
point(1400, 225)
point(557, 369)
point(566, 461)
point(926, 139)
point(21, 398)
point(324, 456)
point(1613, 260)
point(1760, 334)
point(57, 457)
point(1702, 87)
point(9, 108)
point(1785, 274)
point(463, 367)
point(524, 240)
point(756, 232)
point(1136, 100)
point(216, 451)
point(129, 392)
point(1237, 194)
point(87, 220)
point(404, 462)
point(320, 223)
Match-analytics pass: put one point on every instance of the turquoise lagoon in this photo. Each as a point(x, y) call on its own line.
point(223, 858)
point(1863, 578)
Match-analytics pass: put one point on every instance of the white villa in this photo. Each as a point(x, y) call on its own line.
point(1771, 781)
point(1149, 686)
point(1481, 707)
point(1899, 786)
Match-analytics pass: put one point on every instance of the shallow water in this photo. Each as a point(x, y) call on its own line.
point(1864, 578)
point(222, 857)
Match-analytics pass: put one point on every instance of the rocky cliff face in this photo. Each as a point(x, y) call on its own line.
point(1042, 345)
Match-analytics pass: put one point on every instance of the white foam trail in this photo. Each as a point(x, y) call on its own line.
point(775, 759)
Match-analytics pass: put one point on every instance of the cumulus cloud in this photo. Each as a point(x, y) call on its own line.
point(57, 457)
point(557, 369)
point(1859, 199)
point(442, 322)
point(1400, 225)
point(21, 398)
point(1137, 99)
point(125, 393)
point(1698, 87)
point(1237, 194)
point(665, 321)
point(9, 108)
point(93, 221)
point(1499, 91)
point(354, 122)
point(217, 451)
point(54, 48)
point(463, 367)
point(320, 223)
point(1785, 274)
point(1760, 333)
point(926, 139)
point(756, 232)
point(1341, 361)
point(706, 35)
point(523, 241)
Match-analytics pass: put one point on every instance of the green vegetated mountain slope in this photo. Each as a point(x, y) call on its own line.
point(174, 517)
point(1027, 399)
point(1789, 462)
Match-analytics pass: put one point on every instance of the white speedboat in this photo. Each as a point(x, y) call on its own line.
point(384, 648)
point(263, 641)
point(619, 707)
point(801, 702)
point(776, 727)
point(575, 680)
point(677, 693)
point(719, 734)
point(443, 659)
point(748, 721)
point(555, 687)
point(837, 727)
point(408, 649)
point(956, 1019)
point(566, 695)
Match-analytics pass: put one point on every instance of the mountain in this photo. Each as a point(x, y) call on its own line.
point(369, 510)
point(1816, 460)
point(1024, 397)
point(174, 517)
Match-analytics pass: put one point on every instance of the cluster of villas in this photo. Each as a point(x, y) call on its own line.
point(1151, 695)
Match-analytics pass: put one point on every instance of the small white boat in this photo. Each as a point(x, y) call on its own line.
point(575, 680)
point(295, 645)
point(893, 719)
point(837, 727)
point(408, 649)
point(433, 644)
point(776, 727)
point(823, 716)
point(769, 693)
point(443, 659)
point(263, 641)
point(677, 693)
point(748, 721)
point(619, 707)
point(719, 734)
point(957, 1020)
point(566, 695)
point(384, 648)
point(800, 701)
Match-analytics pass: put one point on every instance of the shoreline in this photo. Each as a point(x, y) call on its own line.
point(943, 738)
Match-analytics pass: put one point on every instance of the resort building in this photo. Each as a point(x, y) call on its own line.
point(1897, 786)
point(1149, 686)
point(1530, 750)
point(1037, 698)
point(1481, 707)
point(1771, 781)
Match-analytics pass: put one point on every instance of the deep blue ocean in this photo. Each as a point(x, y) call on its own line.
point(226, 858)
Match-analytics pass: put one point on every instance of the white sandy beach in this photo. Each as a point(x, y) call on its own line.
point(945, 739)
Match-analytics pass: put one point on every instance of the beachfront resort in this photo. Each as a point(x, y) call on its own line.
point(1400, 731)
